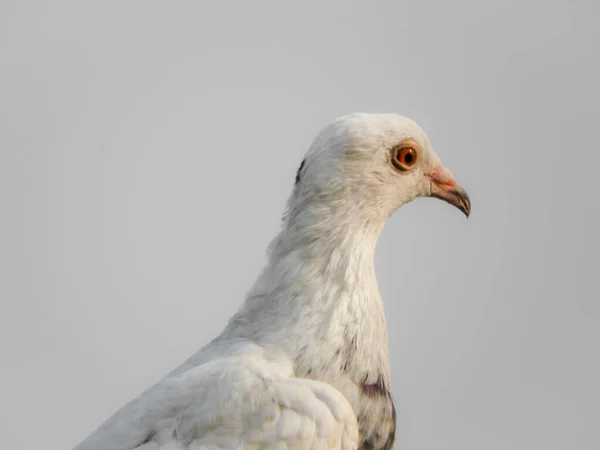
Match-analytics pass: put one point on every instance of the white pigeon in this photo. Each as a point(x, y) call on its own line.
point(304, 363)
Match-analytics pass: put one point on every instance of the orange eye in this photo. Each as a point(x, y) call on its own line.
point(404, 157)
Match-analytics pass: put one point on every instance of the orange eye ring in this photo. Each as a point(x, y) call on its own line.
point(405, 156)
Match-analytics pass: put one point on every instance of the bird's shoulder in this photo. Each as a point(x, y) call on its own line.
point(245, 400)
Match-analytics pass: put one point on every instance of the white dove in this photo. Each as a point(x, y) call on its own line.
point(304, 363)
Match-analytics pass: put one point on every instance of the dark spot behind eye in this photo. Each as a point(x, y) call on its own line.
point(298, 174)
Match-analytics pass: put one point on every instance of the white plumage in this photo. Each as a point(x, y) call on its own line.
point(249, 396)
point(304, 363)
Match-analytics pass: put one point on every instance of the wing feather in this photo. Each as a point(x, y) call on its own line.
point(232, 403)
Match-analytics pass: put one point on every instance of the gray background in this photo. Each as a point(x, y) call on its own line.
point(147, 150)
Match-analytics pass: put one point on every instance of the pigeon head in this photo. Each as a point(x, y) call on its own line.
point(369, 165)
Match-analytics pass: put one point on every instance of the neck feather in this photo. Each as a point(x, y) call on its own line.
point(319, 292)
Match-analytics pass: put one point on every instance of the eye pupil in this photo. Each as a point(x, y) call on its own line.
point(408, 158)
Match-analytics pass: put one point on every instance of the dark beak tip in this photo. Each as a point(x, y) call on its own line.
point(466, 205)
point(461, 200)
point(458, 198)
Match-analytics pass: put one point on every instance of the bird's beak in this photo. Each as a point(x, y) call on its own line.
point(445, 188)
